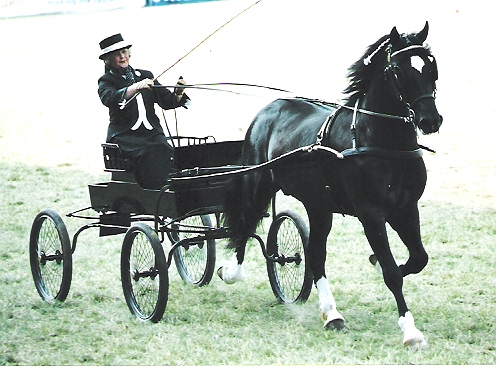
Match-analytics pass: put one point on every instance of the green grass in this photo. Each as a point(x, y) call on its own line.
point(453, 299)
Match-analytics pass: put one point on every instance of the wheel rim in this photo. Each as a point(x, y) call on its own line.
point(193, 256)
point(144, 275)
point(50, 259)
point(291, 275)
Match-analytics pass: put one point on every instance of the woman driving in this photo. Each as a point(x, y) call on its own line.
point(134, 125)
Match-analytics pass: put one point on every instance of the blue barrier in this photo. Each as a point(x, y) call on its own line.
point(170, 2)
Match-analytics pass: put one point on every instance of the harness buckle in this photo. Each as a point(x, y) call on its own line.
point(411, 116)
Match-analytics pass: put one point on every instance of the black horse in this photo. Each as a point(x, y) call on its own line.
point(390, 97)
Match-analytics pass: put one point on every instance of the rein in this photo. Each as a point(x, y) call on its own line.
point(375, 151)
point(407, 119)
point(372, 151)
point(211, 87)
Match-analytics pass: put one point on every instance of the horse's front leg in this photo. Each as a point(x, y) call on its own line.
point(375, 230)
point(407, 225)
point(320, 226)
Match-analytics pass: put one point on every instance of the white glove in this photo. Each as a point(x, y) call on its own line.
point(179, 90)
point(144, 84)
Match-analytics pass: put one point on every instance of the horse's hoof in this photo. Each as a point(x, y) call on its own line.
point(416, 344)
point(225, 273)
point(336, 325)
point(219, 273)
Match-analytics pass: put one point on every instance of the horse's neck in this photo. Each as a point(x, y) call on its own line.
point(384, 132)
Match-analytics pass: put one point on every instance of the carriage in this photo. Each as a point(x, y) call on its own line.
point(360, 158)
point(187, 212)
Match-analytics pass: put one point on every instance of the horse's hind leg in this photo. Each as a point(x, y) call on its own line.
point(251, 195)
point(232, 271)
point(320, 226)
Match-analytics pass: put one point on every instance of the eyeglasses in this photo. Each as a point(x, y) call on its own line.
point(123, 52)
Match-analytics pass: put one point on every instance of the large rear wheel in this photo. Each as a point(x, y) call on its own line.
point(144, 273)
point(195, 261)
point(288, 236)
point(50, 256)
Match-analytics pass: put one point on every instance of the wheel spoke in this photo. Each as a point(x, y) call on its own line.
point(195, 260)
point(144, 273)
point(291, 275)
point(142, 260)
point(50, 256)
point(49, 246)
point(288, 236)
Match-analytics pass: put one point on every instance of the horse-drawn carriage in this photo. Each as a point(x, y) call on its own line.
point(361, 158)
point(181, 212)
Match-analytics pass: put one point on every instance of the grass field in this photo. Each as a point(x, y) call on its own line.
point(52, 123)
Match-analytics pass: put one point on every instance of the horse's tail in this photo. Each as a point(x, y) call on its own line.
point(234, 217)
point(248, 196)
point(246, 201)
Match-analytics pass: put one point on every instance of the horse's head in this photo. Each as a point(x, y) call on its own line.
point(411, 74)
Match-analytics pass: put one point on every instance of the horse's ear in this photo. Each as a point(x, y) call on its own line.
point(394, 36)
point(422, 35)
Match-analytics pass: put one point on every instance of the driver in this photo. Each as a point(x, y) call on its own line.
point(136, 128)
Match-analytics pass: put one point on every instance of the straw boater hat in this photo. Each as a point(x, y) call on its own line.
point(112, 43)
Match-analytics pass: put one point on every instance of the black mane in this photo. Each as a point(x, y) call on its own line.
point(360, 75)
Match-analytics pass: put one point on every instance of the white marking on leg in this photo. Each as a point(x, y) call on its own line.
point(412, 336)
point(230, 271)
point(327, 304)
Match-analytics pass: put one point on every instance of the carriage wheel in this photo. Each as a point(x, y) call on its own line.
point(50, 256)
point(288, 236)
point(144, 273)
point(195, 262)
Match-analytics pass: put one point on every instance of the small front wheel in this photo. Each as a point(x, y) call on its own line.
point(50, 255)
point(144, 273)
point(288, 237)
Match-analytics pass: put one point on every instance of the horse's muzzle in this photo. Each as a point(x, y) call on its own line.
point(430, 125)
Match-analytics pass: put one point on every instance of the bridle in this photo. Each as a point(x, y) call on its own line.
point(394, 72)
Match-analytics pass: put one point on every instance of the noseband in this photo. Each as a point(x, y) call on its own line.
point(423, 97)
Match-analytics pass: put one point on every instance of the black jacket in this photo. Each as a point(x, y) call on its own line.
point(111, 88)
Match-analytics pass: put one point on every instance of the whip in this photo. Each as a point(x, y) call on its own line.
point(123, 105)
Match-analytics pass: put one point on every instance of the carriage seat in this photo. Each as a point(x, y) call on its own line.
point(121, 167)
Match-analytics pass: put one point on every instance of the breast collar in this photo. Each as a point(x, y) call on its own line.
point(360, 151)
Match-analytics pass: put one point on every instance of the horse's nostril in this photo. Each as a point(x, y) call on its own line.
point(428, 126)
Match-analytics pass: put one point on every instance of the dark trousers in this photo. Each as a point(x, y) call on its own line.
point(154, 166)
point(151, 153)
